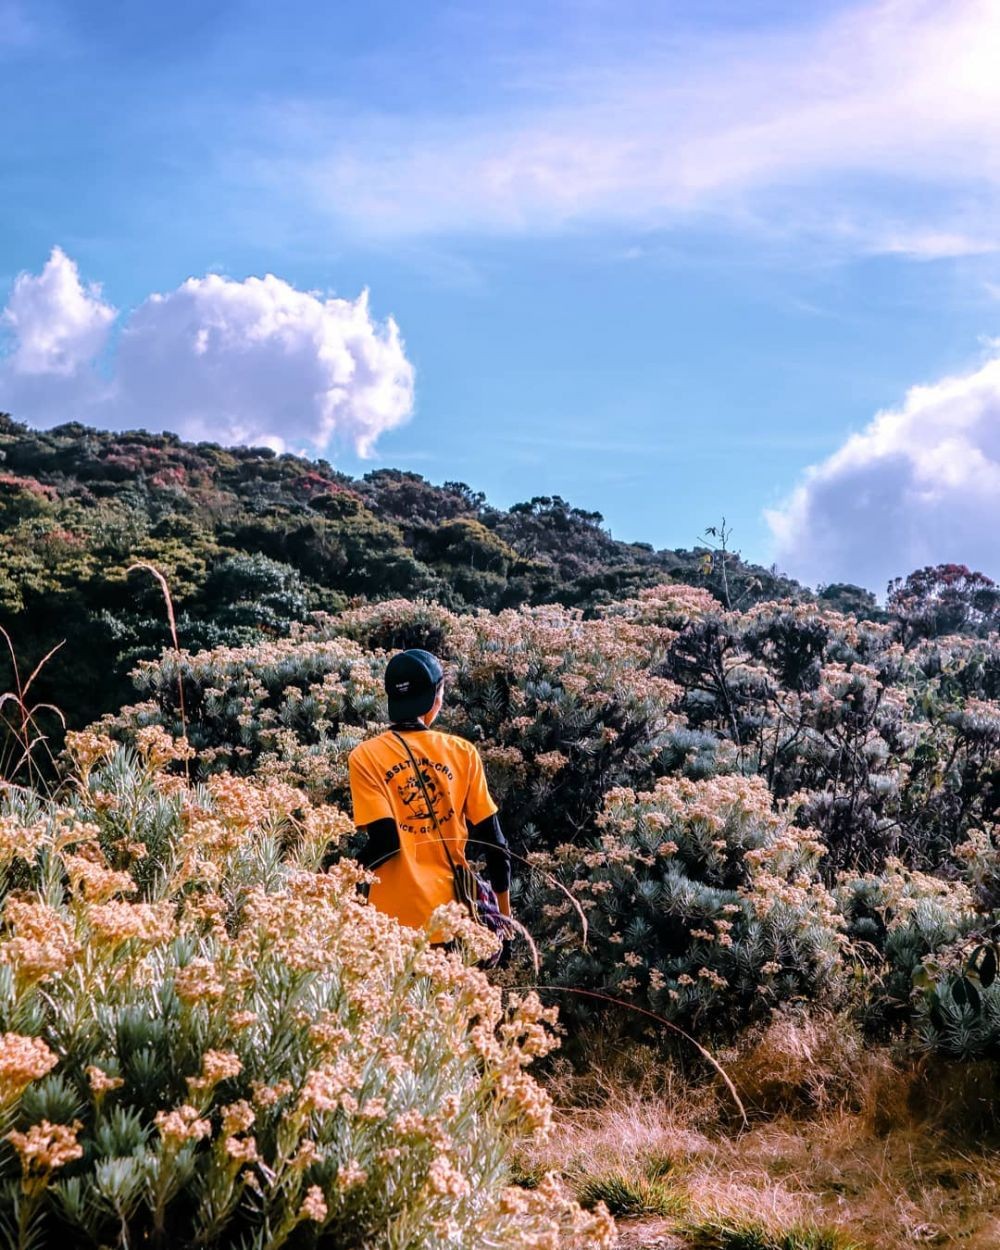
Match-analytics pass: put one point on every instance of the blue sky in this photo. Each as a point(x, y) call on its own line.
point(668, 260)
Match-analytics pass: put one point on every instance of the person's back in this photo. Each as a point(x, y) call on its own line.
point(419, 825)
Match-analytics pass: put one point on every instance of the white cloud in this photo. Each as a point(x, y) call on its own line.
point(934, 244)
point(869, 110)
point(255, 362)
point(920, 485)
point(57, 324)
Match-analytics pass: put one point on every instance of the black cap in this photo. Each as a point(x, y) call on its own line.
point(411, 682)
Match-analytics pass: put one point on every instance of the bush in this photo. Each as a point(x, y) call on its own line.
point(564, 708)
point(801, 1062)
point(290, 708)
point(703, 906)
point(206, 1042)
point(834, 769)
point(888, 754)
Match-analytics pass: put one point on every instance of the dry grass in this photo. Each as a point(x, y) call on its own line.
point(802, 1064)
point(847, 1148)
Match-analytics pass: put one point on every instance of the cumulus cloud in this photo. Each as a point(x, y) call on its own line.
point(56, 323)
point(920, 485)
point(867, 108)
point(254, 362)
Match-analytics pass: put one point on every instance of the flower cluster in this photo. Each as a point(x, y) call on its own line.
point(240, 1043)
point(22, 1060)
point(702, 904)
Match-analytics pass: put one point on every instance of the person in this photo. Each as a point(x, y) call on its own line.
point(404, 849)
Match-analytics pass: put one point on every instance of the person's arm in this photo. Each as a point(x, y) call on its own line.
point(485, 833)
point(486, 839)
point(382, 844)
point(372, 812)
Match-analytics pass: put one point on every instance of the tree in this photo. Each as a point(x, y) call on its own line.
point(247, 595)
point(734, 583)
point(944, 599)
point(850, 599)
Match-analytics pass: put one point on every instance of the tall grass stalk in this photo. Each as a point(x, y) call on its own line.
point(24, 728)
point(172, 622)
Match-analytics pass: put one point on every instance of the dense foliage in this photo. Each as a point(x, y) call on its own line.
point(701, 903)
point(206, 1042)
point(749, 808)
point(725, 793)
point(251, 543)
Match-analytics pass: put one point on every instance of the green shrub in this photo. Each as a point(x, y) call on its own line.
point(900, 921)
point(702, 906)
point(225, 1048)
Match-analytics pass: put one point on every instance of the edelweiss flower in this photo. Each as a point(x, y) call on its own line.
point(22, 1060)
point(45, 1147)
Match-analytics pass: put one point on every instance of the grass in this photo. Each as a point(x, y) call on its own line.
point(629, 1196)
point(733, 1235)
point(848, 1150)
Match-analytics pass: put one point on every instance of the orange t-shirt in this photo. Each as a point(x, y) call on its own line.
point(413, 882)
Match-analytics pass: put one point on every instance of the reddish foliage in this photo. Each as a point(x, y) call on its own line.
point(173, 476)
point(67, 537)
point(29, 484)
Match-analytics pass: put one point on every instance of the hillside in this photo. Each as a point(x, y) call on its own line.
point(756, 850)
point(251, 542)
point(772, 834)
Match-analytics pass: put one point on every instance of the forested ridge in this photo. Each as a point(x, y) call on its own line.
point(251, 542)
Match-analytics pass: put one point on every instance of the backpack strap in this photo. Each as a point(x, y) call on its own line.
point(427, 797)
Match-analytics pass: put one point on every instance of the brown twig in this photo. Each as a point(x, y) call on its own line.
point(619, 1002)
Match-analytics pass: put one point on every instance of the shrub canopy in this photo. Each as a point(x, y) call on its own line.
point(207, 1042)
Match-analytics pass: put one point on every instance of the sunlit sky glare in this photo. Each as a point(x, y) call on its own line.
point(668, 260)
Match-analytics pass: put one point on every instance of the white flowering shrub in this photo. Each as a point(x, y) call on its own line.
point(897, 920)
point(702, 905)
point(290, 708)
point(897, 752)
point(894, 752)
point(879, 758)
point(562, 708)
point(206, 1042)
point(936, 949)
